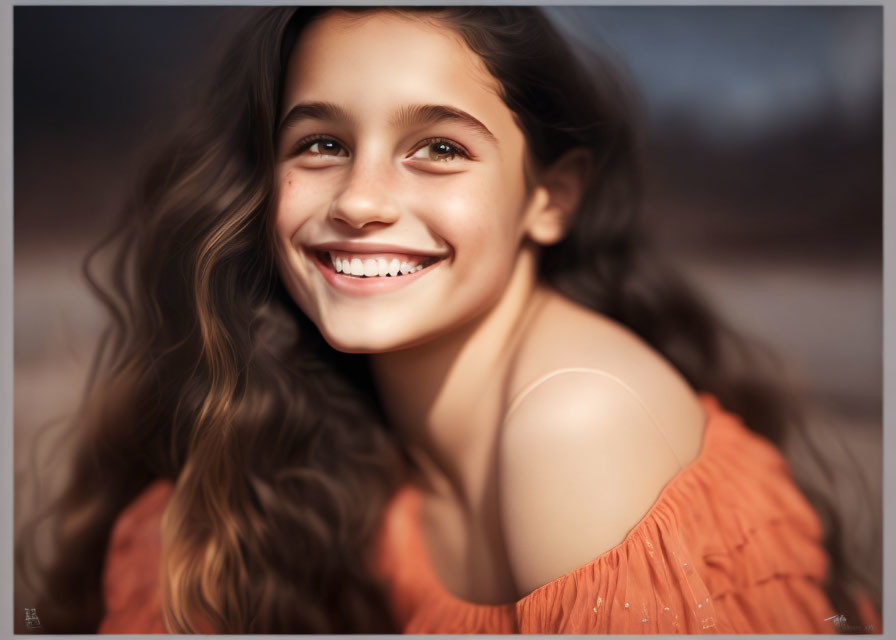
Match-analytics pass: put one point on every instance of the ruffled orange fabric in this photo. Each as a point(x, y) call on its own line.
point(729, 546)
point(133, 560)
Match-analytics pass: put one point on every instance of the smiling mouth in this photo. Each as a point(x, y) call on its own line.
point(369, 266)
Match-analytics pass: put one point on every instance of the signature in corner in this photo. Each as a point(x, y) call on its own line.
point(840, 623)
point(31, 619)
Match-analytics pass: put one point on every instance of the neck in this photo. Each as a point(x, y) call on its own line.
point(444, 396)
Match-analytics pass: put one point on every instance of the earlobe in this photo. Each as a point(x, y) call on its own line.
point(558, 196)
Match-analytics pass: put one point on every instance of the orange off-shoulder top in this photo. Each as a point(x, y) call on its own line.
point(729, 546)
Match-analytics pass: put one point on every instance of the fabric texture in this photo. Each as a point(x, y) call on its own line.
point(131, 577)
point(730, 546)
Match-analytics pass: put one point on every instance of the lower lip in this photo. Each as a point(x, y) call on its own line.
point(368, 286)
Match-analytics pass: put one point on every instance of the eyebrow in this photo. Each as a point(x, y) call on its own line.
point(421, 114)
point(410, 115)
point(312, 111)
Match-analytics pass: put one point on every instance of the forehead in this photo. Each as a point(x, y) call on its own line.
point(362, 59)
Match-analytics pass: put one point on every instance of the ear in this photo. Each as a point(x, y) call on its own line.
point(557, 196)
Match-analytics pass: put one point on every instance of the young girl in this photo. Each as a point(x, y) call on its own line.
point(389, 356)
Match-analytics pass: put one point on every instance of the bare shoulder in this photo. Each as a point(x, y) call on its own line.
point(569, 336)
point(593, 437)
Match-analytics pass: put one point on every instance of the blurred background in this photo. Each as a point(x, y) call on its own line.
point(763, 151)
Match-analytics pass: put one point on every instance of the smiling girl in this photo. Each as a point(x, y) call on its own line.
point(388, 356)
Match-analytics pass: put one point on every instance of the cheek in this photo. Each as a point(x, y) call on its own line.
point(291, 211)
point(481, 220)
point(287, 211)
point(296, 200)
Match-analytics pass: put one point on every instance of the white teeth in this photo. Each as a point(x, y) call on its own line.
point(373, 267)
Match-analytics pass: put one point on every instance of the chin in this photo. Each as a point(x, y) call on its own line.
point(371, 341)
point(363, 343)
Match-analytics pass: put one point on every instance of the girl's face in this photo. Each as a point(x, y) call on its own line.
point(399, 164)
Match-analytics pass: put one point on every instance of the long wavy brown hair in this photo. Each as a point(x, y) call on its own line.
point(280, 455)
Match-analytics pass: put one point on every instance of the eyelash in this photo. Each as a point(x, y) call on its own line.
point(305, 143)
point(458, 149)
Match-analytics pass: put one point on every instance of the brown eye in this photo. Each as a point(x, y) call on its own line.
point(439, 150)
point(320, 146)
point(326, 148)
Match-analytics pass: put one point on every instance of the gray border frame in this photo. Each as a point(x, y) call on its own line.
point(6, 268)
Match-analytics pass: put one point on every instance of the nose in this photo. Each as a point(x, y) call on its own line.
point(367, 197)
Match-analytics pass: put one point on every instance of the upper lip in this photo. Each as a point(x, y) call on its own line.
point(374, 247)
